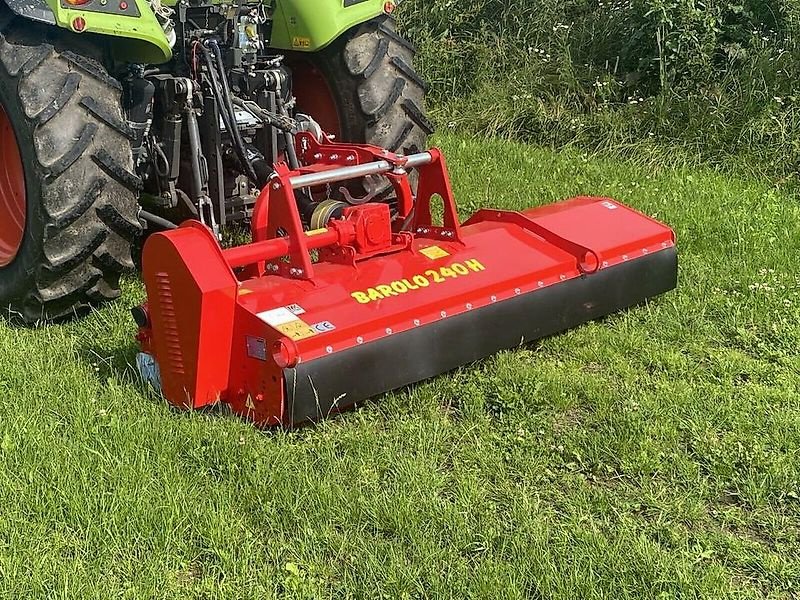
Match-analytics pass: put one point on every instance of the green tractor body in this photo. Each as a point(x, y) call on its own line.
point(298, 25)
point(123, 117)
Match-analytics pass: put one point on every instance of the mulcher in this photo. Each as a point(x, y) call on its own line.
point(170, 125)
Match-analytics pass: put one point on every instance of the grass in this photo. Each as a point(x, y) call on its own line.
point(655, 454)
point(715, 79)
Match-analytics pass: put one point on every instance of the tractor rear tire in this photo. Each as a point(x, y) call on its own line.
point(80, 194)
point(364, 88)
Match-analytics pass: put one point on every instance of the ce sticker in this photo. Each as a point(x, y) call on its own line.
point(324, 327)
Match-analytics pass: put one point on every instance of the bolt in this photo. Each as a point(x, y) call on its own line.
point(334, 157)
point(351, 158)
point(318, 156)
point(276, 186)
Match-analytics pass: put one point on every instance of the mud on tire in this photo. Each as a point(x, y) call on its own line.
point(80, 187)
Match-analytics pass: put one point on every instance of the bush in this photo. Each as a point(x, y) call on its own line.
point(717, 77)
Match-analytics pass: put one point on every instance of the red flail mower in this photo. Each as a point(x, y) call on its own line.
point(303, 323)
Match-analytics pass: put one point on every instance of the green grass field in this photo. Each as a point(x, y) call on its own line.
point(654, 454)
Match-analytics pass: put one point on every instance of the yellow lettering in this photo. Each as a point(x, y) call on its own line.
point(421, 280)
point(386, 290)
point(399, 287)
point(434, 275)
point(448, 272)
point(460, 269)
point(475, 265)
point(403, 286)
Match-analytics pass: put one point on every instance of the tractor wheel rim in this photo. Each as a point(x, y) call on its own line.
point(315, 97)
point(12, 193)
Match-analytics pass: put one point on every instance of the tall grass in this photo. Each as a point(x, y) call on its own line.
point(716, 79)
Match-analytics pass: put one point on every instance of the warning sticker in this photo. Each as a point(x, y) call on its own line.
point(434, 252)
point(285, 321)
point(301, 42)
point(296, 330)
point(296, 309)
point(324, 327)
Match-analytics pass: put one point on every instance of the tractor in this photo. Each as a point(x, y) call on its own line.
point(123, 117)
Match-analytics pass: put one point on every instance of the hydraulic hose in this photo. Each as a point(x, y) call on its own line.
point(223, 98)
point(237, 136)
point(215, 88)
point(156, 220)
point(288, 136)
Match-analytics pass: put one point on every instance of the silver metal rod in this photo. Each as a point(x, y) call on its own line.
point(345, 173)
point(419, 160)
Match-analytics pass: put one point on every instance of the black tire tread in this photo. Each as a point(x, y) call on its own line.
point(409, 72)
point(77, 210)
point(377, 60)
point(115, 220)
point(71, 156)
point(114, 169)
point(391, 99)
point(88, 201)
point(106, 116)
point(381, 95)
point(92, 68)
point(387, 28)
point(71, 83)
